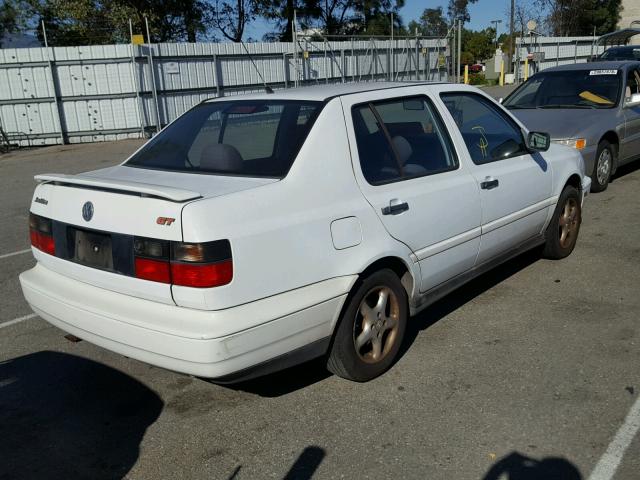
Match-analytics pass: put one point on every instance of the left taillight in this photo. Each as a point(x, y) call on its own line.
point(41, 233)
point(198, 265)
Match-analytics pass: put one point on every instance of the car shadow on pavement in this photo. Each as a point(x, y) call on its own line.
point(64, 416)
point(465, 294)
point(626, 170)
point(516, 466)
point(284, 381)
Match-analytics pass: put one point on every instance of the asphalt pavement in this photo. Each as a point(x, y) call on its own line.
point(528, 372)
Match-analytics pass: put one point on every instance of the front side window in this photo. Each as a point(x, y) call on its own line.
point(489, 135)
point(247, 138)
point(401, 139)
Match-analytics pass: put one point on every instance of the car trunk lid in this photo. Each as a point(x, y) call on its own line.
point(97, 215)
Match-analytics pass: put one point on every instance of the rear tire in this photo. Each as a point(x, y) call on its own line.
point(371, 328)
point(562, 232)
point(603, 166)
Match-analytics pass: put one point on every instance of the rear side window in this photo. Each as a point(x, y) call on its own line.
point(401, 139)
point(488, 133)
point(247, 138)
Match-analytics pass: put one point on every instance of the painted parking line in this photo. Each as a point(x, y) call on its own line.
point(20, 252)
point(17, 320)
point(608, 464)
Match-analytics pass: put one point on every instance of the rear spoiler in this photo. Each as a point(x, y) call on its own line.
point(136, 188)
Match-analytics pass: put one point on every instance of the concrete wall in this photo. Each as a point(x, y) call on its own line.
point(630, 12)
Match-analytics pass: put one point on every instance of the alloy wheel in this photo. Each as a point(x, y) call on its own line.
point(569, 222)
point(604, 166)
point(375, 330)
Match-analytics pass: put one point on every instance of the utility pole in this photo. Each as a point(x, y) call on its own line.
point(459, 49)
point(392, 52)
point(452, 51)
point(495, 27)
point(512, 41)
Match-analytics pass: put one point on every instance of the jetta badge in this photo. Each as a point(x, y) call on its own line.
point(87, 211)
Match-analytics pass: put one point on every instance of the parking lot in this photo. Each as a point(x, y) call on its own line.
point(528, 372)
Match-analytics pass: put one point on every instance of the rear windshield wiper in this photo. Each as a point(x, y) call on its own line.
point(518, 107)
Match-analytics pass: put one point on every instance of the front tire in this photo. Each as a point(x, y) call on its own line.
point(562, 232)
point(605, 158)
point(371, 328)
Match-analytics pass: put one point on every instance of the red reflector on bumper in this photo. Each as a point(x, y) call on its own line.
point(42, 242)
point(154, 270)
point(202, 275)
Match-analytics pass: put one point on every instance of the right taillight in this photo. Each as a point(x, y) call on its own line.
point(41, 233)
point(198, 265)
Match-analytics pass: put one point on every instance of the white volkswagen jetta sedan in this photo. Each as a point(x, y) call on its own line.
point(264, 230)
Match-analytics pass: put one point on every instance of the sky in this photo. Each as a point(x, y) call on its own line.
point(481, 12)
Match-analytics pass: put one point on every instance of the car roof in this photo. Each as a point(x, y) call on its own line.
point(624, 47)
point(611, 65)
point(325, 92)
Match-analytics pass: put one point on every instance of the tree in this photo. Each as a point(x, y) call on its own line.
point(478, 45)
point(232, 16)
point(331, 17)
point(376, 15)
point(581, 17)
point(90, 22)
point(281, 12)
point(12, 18)
point(430, 24)
point(459, 9)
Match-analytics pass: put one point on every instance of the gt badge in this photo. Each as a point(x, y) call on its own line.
point(165, 221)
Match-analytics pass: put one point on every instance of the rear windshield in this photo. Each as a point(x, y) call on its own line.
point(247, 138)
point(596, 88)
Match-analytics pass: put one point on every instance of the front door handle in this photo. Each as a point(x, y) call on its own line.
point(394, 209)
point(489, 183)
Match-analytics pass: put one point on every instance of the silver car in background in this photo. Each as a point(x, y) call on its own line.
point(593, 107)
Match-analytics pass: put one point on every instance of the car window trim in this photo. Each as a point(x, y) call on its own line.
point(503, 114)
point(437, 116)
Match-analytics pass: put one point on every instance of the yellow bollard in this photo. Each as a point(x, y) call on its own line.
point(526, 69)
point(502, 73)
point(466, 74)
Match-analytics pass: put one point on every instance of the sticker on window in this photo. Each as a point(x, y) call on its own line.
point(603, 72)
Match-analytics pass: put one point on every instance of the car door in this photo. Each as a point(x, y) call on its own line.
point(630, 145)
point(409, 172)
point(515, 185)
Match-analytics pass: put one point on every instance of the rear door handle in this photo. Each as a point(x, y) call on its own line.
point(395, 208)
point(489, 183)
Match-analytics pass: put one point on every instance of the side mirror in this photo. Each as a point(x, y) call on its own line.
point(538, 141)
point(633, 100)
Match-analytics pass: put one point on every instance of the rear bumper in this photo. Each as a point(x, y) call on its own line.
point(183, 339)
